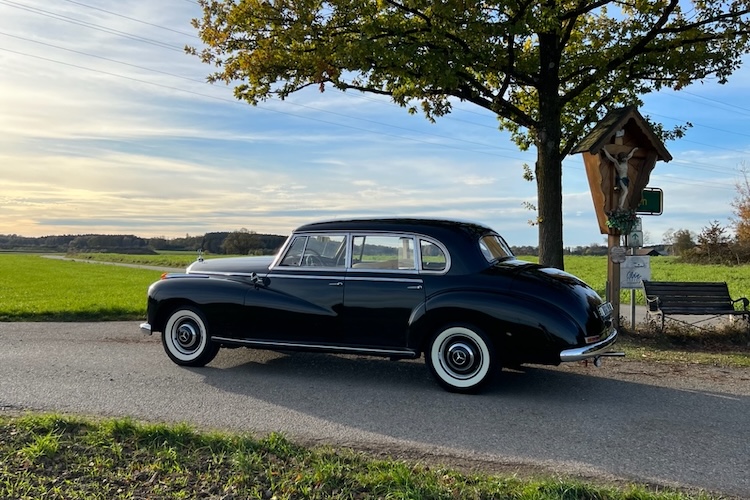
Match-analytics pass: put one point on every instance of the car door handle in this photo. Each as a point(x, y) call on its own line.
point(415, 287)
point(336, 283)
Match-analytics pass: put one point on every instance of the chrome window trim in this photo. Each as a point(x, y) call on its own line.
point(395, 234)
point(285, 248)
point(350, 235)
point(418, 281)
point(438, 244)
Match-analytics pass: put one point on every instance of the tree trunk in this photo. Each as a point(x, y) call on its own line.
point(549, 162)
point(549, 203)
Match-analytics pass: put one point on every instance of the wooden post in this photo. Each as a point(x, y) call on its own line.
point(613, 278)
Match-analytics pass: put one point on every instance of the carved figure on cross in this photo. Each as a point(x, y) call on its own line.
point(621, 174)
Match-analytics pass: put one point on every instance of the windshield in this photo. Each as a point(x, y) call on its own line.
point(494, 248)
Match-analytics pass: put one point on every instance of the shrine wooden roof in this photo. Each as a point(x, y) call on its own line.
point(637, 132)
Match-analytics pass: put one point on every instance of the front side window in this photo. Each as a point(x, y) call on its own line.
point(319, 250)
point(383, 252)
point(494, 248)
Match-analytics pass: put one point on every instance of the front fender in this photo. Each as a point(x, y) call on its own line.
point(217, 298)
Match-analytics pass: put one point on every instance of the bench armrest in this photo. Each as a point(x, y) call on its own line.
point(744, 300)
point(652, 302)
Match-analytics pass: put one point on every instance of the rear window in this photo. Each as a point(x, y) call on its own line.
point(494, 248)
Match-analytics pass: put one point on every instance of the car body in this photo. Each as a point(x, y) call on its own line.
point(399, 288)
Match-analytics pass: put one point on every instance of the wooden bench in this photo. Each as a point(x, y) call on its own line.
point(668, 298)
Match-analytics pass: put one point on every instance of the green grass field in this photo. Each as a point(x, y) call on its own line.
point(164, 259)
point(33, 288)
point(593, 270)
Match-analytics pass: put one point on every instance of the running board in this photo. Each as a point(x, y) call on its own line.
point(268, 344)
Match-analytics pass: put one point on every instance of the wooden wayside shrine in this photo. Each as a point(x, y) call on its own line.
point(619, 154)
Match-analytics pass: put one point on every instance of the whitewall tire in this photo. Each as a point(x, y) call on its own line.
point(461, 358)
point(185, 338)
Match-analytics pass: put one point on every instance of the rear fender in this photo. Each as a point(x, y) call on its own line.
point(510, 321)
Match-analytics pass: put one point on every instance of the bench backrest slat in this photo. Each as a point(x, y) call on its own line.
point(690, 297)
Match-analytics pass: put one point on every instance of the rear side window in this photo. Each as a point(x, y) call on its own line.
point(383, 252)
point(494, 248)
point(433, 257)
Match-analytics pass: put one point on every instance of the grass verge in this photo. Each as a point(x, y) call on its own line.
point(54, 456)
point(724, 344)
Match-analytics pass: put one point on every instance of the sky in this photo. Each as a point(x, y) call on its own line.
point(107, 126)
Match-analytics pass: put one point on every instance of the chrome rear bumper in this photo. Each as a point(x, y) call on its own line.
point(145, 328)
point(591, 351)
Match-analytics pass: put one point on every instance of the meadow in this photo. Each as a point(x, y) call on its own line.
point(34, 288)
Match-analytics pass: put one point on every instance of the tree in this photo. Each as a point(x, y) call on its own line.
point(239, 242)
point(741, 206)
point(549, 69)
point(682, 241)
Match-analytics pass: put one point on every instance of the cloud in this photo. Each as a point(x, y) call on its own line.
point(107, 126)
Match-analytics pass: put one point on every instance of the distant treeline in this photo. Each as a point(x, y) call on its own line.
point(241, 242)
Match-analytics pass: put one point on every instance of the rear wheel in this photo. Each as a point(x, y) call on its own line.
point(185, 338)
point(461, 358)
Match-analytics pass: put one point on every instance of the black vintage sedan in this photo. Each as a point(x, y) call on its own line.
point(397, 288)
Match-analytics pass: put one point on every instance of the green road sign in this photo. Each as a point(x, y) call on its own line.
point(652, 202)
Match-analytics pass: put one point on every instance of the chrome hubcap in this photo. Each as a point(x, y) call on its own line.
point(187, 336)
point(461, 358)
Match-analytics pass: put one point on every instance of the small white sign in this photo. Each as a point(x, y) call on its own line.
point(635, 269)
point(635, 239)
point(617, 254)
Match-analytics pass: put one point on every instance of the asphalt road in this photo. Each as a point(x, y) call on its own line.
point(682, 426)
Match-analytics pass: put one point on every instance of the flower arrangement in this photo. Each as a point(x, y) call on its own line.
point(621, 220)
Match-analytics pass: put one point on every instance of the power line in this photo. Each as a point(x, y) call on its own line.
point(97, 27)
point(234, 101)
point(712, 168)
point(193, 35)
point(171, 47)
point(100, 57)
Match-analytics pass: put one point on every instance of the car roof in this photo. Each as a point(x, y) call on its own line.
point(459, 237)
point(426, 226)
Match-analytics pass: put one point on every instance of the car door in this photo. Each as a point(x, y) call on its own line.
point(302, 298)
point(382, 289)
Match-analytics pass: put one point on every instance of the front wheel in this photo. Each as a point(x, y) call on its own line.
point(461, 358)
point(185, 338)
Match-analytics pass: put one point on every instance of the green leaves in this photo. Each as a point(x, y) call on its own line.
point(549, 70)
point(604, 55)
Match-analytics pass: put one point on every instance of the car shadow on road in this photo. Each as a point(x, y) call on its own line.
point(522, 413)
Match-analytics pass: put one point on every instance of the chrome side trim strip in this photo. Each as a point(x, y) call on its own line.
point(307, 276)
point(374, 278)
point(322, 347)
point(589, 351)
